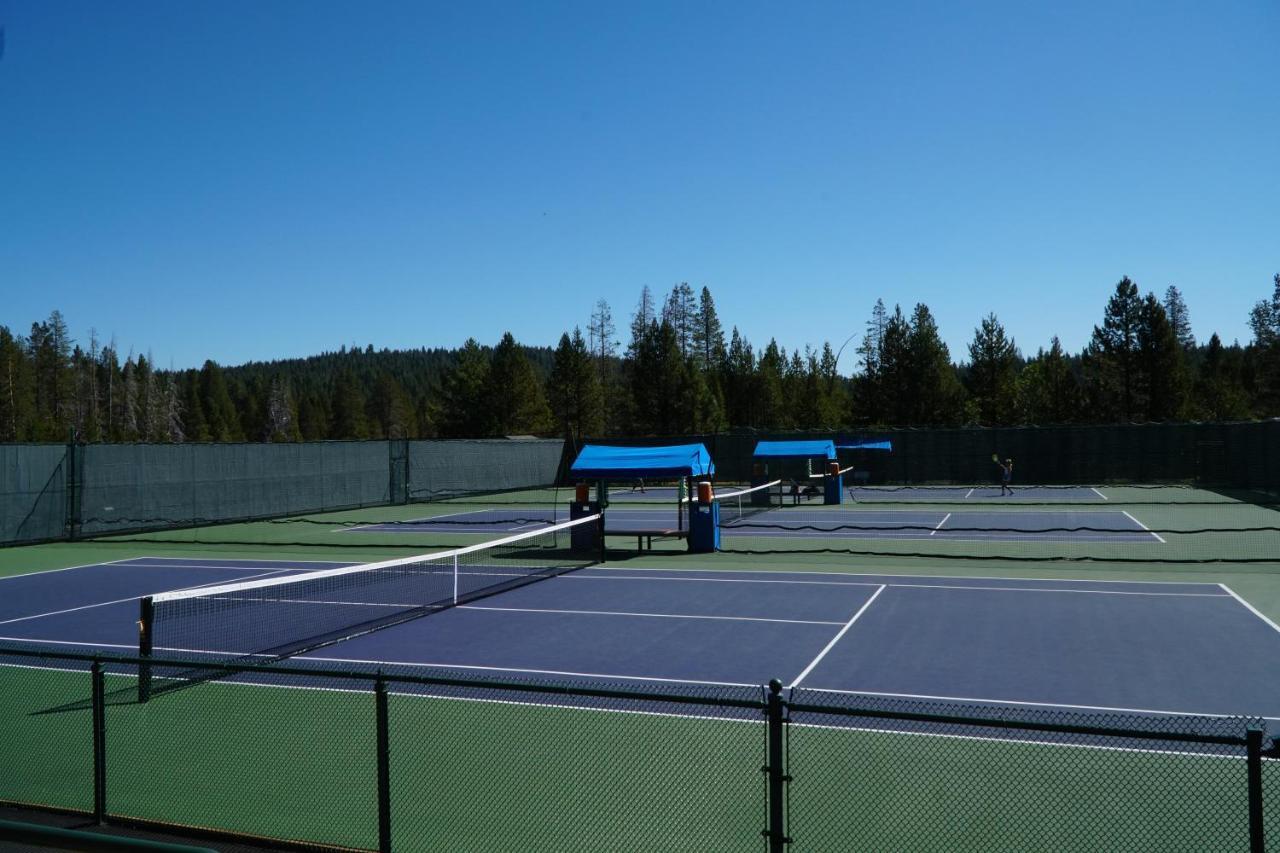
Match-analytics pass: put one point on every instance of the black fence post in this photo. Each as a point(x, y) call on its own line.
point(73, 476)
point(776, 831)
point(384, 765)
point(1253, 745)
point(99, 744)
point(146, 620)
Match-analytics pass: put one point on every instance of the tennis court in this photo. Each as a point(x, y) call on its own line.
point(960, 639)
point(1078, 665)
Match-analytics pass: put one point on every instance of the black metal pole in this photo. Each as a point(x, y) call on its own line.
point(776, 832)
point(72, 514)
point(1253, 745)
point(99, 745)
point(384, 766)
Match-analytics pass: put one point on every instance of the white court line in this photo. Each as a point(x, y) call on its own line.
point(1044, 589)
point(171, 566)
point(863, 609)
point(940, 523)
point(602, 675)
point(1098, 493)
point(106, 603)
point(874, 575)
point(224, 564)
point(1143, 526)
point(1255, 611)
point(968, 493)
point(409, 521)
point(647, 615)
point(1062, 705)
point(67, 568)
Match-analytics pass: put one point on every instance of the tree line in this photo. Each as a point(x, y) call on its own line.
point(677, 372)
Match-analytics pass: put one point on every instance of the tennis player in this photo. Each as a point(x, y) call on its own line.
point(1006, 477)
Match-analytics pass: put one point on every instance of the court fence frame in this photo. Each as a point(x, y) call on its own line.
point(800, 728)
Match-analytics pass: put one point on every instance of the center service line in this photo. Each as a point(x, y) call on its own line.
point(863, 609)
point(940, 523)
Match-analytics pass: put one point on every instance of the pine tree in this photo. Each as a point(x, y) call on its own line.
point(680, 312)
point(934, 392)
point(1160, 360)
point(833, 400)
point(869, 392)
point(1264, 319)
point(603, 347)
point(215, 402)
point(894, 373)
point(465, 412)
point(708, 335)
point(194, 425)
point(573, 389)
point(739, 377)
point(1048, 389)
point(514, 395)
point(16, 393)
point(992, 376)
point(347, 408)
point(1219, 394)
point(1111, 358)
point(1179, 317)
point(644, 317)
point(770, 388)
point(313, 418)
point(390, 410)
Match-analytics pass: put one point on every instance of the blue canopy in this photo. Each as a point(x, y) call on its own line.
point(867, 445)
point(602, 462)
point(795, 449)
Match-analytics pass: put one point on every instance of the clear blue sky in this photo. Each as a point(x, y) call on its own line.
point(252, 180)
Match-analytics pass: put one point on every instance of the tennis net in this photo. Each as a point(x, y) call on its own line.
point(736, 506)
point(270, 618)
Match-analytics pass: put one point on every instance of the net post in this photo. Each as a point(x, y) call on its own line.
point(776, 771)
point(1253, 747)
point(146, 624)
point(99, 744)
point(455, 579)
point(384, 764)
point(600, 536)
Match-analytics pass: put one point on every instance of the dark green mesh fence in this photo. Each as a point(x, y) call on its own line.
point(146, 486)
point(55, 491)
point(33, 492)
point(410, 760)
point(446, 469)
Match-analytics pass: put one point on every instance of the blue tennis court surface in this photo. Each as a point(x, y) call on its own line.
point(1192, 648)
point(1111, 526)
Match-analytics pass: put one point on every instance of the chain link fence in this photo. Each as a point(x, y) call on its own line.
point(398, 758)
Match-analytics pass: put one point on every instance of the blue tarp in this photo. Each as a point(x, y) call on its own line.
point(795, 449)
point(601, 462)
point(867, 445)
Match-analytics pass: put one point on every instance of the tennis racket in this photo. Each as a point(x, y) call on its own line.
point(995, 457)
